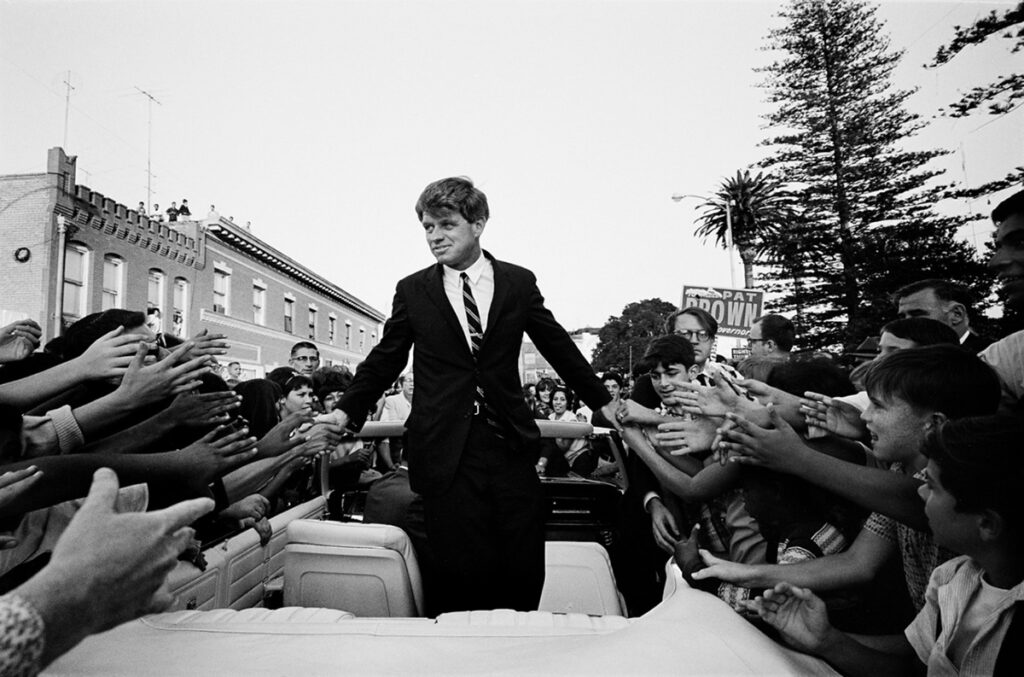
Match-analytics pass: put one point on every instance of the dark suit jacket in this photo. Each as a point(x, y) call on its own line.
point(423, 319)
point(975, 343)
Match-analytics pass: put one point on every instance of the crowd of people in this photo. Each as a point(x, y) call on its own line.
point(867, 516)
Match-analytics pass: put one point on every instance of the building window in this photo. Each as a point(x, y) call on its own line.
point(221, 291)
point(348, 334)
point(332, 325)
point(289, 314)
point(362, 338)
point(312, 323)
point(259, 305)
point(155, 294)
point(179, 307)
point(373, 339)
point(113, 282)
point(76, 273)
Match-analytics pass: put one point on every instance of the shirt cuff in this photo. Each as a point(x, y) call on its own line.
point(648, 497)
point(69, 435)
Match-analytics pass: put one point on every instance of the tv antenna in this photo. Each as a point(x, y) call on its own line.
point(67, 106)
point(149, 146)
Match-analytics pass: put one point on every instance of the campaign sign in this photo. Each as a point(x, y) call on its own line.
point(733, 309)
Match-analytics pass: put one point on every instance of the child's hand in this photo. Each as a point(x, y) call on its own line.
point(832, 415)
point(797, 613)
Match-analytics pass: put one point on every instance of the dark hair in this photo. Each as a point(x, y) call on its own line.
point(238, 363)
point(546, 384)
point(820, 375)
point(83, 333)
point(612, 376)
point(333, 379)
point(779, 329)
point(153, 311)
point(303, 344)
point(1008, 207)
point(295, 382)
point(943, 289)
point(259, 404)
point(980, 464)
point(941, 378)
point(280, 375)
point(705, 318)
point(923, 331)
point(457, 194)
point(665, 351)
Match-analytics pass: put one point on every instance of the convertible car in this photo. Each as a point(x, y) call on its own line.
point(352, 604)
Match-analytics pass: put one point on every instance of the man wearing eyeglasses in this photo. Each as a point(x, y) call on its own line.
point(770, 341)
point(305, 358)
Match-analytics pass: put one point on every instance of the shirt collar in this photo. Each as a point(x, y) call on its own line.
point(473, 272)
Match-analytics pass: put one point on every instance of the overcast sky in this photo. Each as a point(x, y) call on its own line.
point(320, 122)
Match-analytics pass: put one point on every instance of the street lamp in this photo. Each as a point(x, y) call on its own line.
point(678, 197)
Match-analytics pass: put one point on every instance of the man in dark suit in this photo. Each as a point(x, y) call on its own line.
point(947, 302)
point(472, 442)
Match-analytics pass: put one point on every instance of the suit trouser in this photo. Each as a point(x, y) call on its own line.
point(486, 531)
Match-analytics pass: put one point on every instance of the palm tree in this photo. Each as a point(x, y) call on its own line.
point(760, 208)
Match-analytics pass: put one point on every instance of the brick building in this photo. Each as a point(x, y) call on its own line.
point(65, 246)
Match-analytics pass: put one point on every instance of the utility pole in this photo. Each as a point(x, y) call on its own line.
point(67, 107)
point(149, 147)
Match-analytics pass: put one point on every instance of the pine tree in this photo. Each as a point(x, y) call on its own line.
point(867, 224)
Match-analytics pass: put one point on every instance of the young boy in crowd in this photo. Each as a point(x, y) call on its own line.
point(911, 390)
point(974, 474)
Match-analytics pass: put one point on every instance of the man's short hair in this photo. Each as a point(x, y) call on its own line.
point(923, 331)
point(941, 378)
point(980, 464)
point(779, 329)
point(1008, 207)
point(304, 344)
point(705, 318)
point(612, 376)
point(456, 194)
point(944, 290)
point(665, 351)
point(234, 363)
point(401, 379)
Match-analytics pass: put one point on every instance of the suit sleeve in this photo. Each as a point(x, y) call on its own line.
point(382, 366)
point(559, 350)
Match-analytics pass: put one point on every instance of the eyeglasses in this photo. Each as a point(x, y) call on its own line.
point(690, 335)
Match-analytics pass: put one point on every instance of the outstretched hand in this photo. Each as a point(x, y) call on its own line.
point(108, 567)
point(19, 339)
point(144, 384)
point(663, 526)
point(686, 436)
point(798, 614)
point(285, 436)
point(716, 400)
point(833, 415)
point(220, 451)
point(110, 355)
point(199, 410)
point(778, 448)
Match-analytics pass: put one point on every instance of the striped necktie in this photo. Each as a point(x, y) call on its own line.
point(476, 334)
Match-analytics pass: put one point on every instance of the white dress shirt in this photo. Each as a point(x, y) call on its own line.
point(481, 281)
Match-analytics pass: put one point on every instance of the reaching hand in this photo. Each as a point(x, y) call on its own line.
point(201, 410)
point(143, 385)
point(204, 343)
point(797, 613)
point(629, 412)
point(787, 404)
point(723, 569)
point(112, 566)
point(280, 438)
point(18, 340)
point(247, 511)
point(663, 524)
point(220, 451)
point(687, 436)
point(17, 482)
point(110, 355)
point(778, 448)
point(833, 416)
point(714, 400)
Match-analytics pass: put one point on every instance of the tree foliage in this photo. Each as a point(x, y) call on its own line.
point(1003, 93)
point(866, 224)
point(631, 331)
point(758, 207)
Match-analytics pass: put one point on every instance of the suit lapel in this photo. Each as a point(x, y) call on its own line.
point(500, 292)
point(434, 284)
